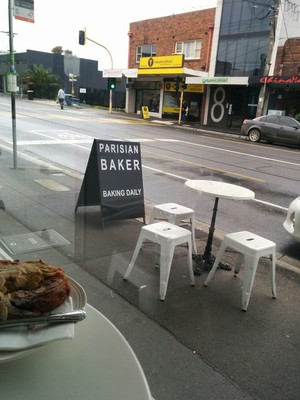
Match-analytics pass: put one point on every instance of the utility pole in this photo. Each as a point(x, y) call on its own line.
point(12, 74)
point(263, 89)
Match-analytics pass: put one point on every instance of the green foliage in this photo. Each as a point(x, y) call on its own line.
point(42, 81)
point(57, 50)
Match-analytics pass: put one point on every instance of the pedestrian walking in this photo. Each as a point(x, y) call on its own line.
point(184, 111)
point(61, 98)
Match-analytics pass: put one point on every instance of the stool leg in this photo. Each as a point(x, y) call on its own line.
point(249, 275)
point(157, 255)
point(193, 236)
point(151, 220)
point(216, 263)
point(135, 254)
point(273, 272)
point(166, 257)
point(190, 262)
point(239, 263)
point(172, 219)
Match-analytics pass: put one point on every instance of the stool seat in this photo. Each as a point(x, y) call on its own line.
point(167, 236)
point(175, 213)
point(251, 248)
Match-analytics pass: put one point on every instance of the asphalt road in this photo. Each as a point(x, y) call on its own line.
point(171, 156)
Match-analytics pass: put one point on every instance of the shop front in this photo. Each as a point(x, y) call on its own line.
point(192, 95)
point(281, 94)
point(228, 100)
point(148, 93)
point(160, 86)
point(229, 105)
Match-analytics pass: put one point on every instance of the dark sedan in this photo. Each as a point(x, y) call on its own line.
point(272, 128)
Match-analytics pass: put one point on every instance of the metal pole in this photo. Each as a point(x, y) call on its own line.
point(180, 107)
point(263, 90)
point(12, 71)
point(112, 66)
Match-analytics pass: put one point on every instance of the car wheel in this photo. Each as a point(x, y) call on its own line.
point(254, 135)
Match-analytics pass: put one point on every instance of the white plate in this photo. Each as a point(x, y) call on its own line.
point(79, 301)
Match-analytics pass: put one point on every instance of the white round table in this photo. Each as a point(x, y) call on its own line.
point(97, 363)
point(216, 189)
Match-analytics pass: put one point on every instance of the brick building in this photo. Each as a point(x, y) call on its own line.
point(288, 58)
point(164, 52)
point(167, 32)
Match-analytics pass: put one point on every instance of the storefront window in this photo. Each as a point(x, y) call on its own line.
point(148, 94)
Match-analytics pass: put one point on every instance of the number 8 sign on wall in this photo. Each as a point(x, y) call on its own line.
point(218, 109)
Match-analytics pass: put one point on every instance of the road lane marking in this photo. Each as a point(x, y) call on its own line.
point(224, 171)
point(186, 179)
point(51, 141)
point(241, 153)
point(88, 138)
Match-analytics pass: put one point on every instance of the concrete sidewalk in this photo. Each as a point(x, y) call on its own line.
point(197, 344)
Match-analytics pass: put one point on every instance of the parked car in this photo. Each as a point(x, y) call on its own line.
point(272, 128)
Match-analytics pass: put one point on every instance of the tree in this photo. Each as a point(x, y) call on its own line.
point(57, 50)
point(42, 81)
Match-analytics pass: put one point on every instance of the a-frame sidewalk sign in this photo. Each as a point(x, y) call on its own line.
point(113, 179)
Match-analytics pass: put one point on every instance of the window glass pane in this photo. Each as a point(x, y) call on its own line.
point(178, 48)
point(285, 121)
point(192, 49)
point(244, 37)
point(146, 50)
point(189, 49)
point(272, 119)
point(138, 53)
point(197, 48)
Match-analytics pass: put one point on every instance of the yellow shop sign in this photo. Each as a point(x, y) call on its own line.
point(190, 88)
point(162, 62)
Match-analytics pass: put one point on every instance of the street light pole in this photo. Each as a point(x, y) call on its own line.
point(111, 66)
point(13, 72)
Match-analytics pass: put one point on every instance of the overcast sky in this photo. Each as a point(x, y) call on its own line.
point(57, 23)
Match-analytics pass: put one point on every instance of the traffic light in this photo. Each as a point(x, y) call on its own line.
point(82, 37)
point(177, 83)
point(111, 84)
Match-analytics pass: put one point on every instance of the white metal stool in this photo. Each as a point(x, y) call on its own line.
point(251, 248)
point(167, 236)
point(174, 213)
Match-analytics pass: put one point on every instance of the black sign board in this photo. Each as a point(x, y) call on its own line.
point(113, 179)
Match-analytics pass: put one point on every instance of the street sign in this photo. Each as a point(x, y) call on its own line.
point(11, 83)
point(145, 112)
point(24, 10)
point(112, 73)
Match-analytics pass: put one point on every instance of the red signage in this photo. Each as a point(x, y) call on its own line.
point(280, 79)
